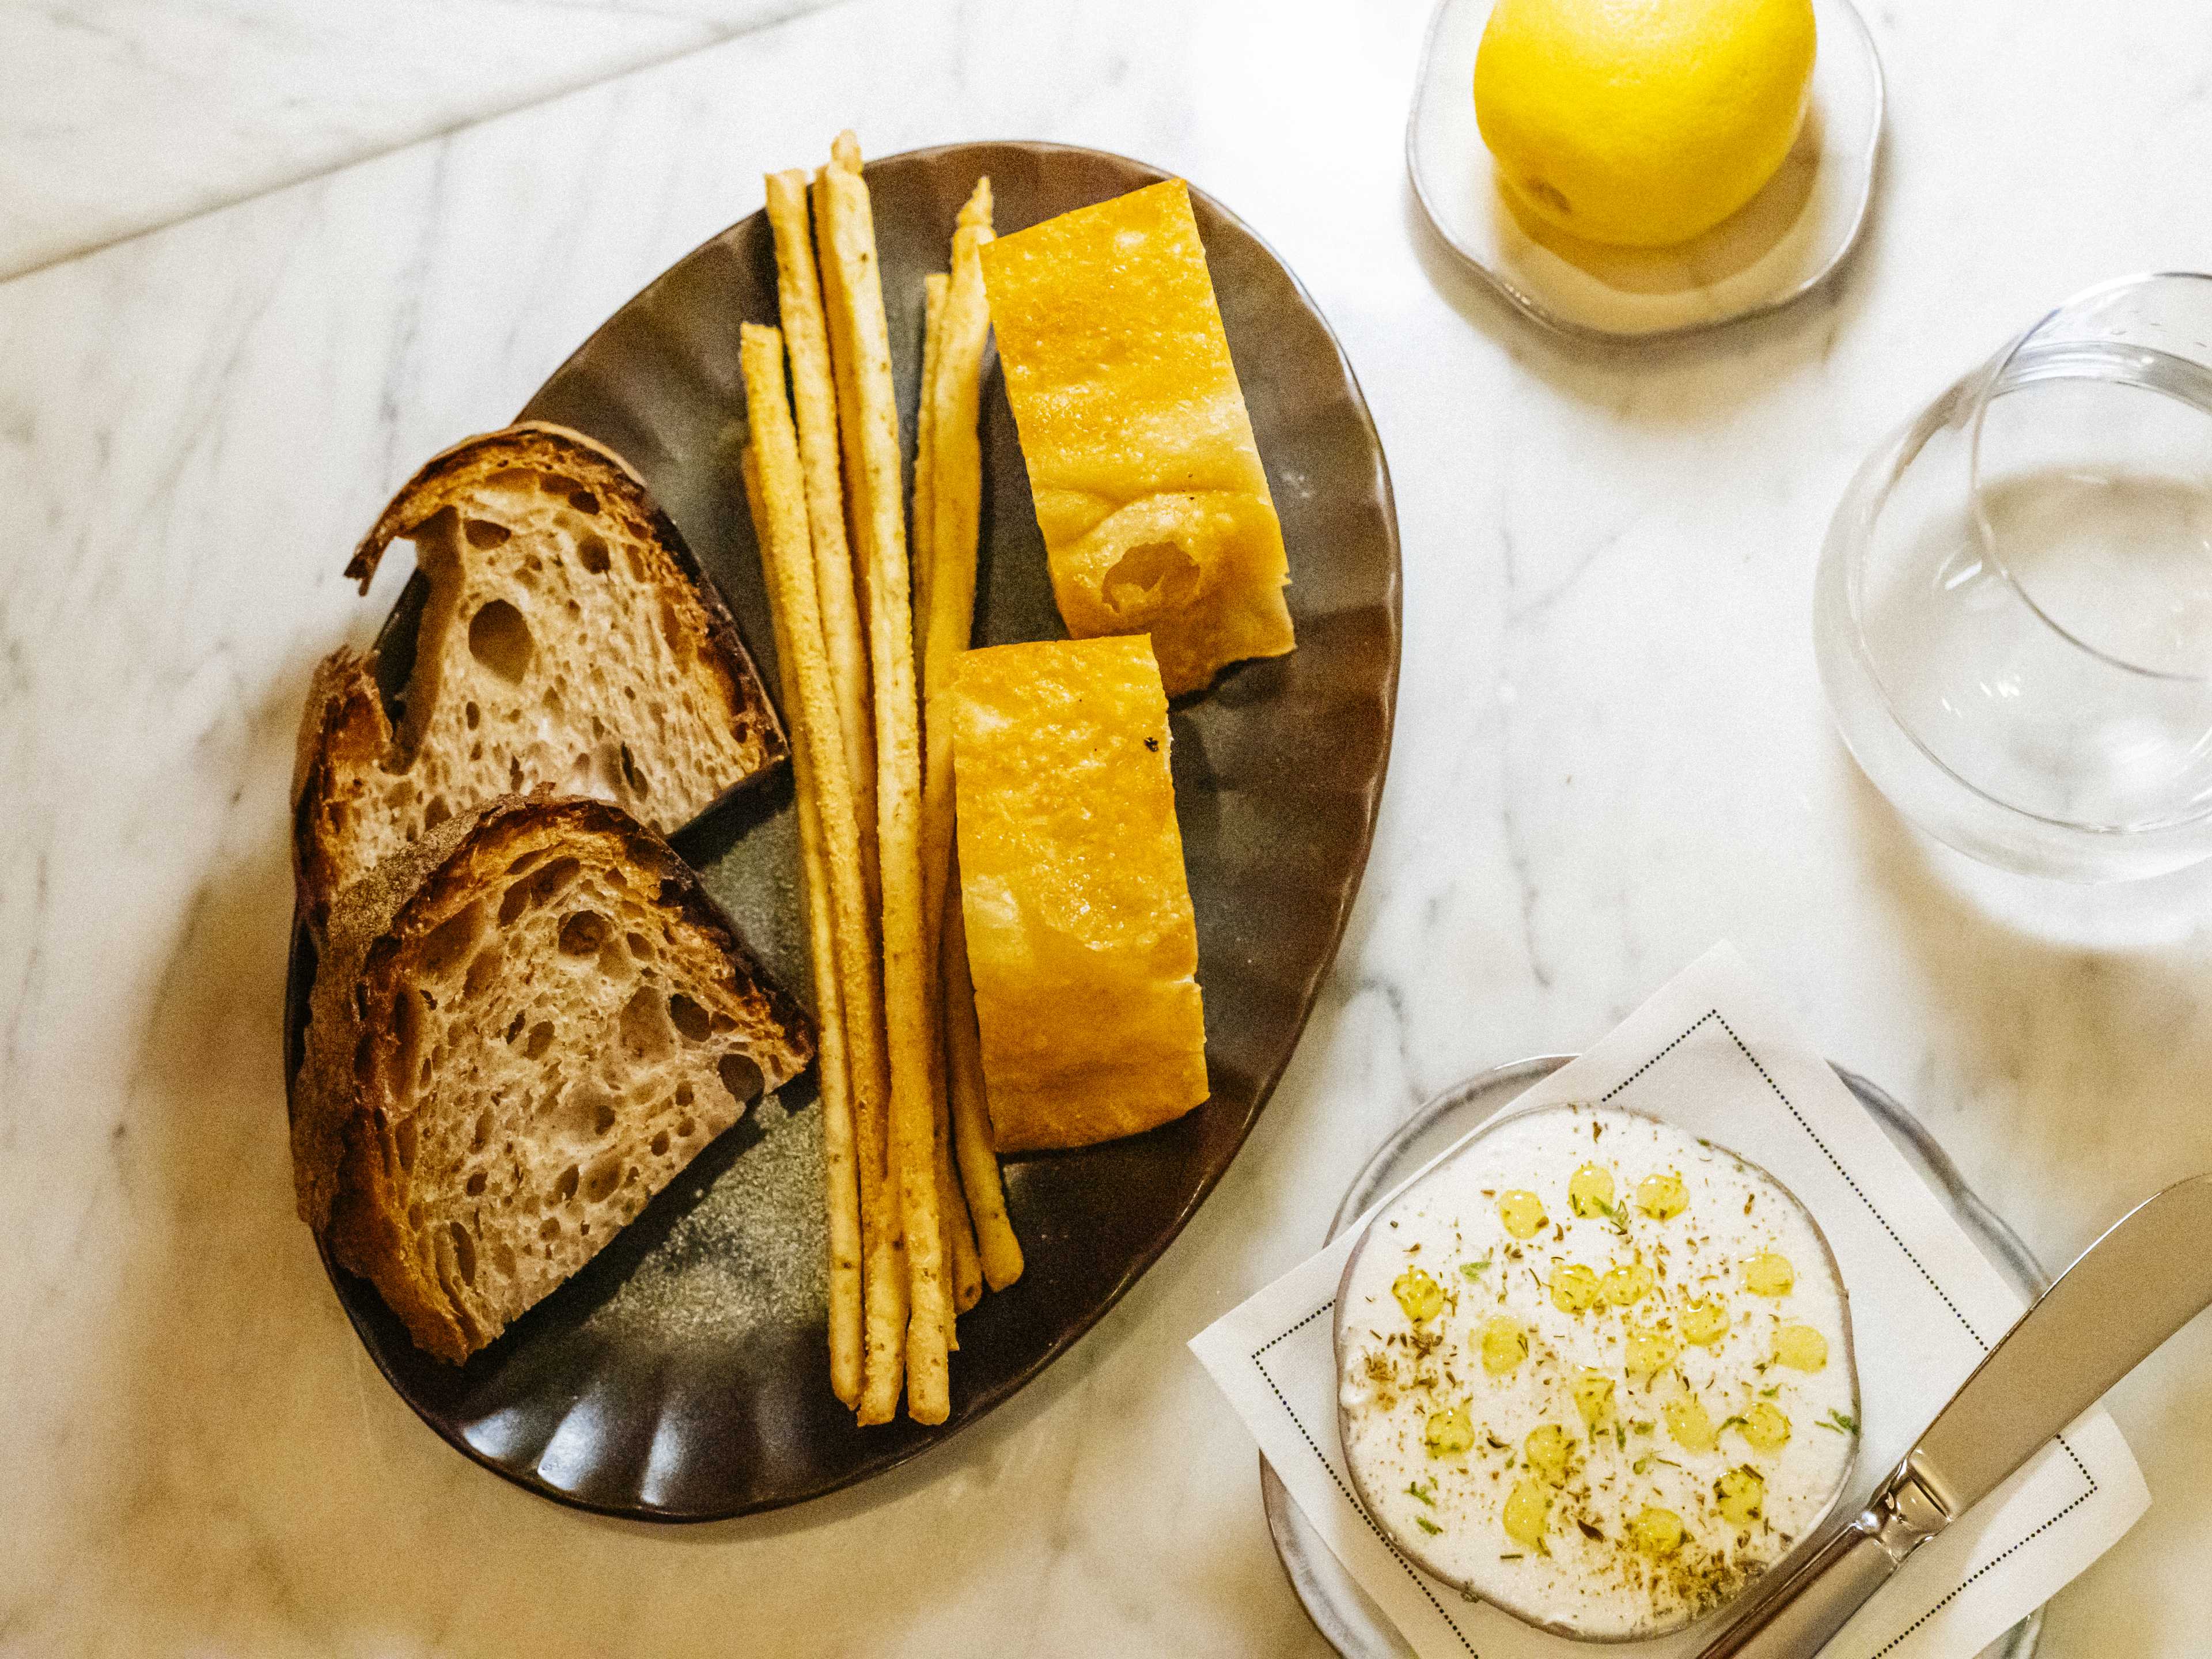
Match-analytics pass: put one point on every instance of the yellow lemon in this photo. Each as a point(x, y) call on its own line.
point(1642, 122)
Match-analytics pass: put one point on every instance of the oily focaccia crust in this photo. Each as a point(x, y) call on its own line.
point(1148, 485)
point(1081, 938)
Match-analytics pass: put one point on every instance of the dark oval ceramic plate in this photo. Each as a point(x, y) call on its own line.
point(684, 1375)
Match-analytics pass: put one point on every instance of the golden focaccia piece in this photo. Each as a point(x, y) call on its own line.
point(1080, 935)
point(1148, 486)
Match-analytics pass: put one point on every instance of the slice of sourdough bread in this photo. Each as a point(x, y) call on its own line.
point(568, 640)
point(522, 1028)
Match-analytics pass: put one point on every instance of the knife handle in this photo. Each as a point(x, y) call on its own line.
point(1796, 1617)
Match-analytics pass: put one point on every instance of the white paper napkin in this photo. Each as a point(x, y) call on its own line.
point(1711, 1054)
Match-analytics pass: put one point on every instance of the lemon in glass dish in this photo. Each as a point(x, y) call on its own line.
point(1642, 122)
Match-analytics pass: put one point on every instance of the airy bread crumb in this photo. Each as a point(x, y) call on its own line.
point(568, 641)
point(522, 1028)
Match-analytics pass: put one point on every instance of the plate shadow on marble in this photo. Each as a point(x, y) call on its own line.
point(684, 1375)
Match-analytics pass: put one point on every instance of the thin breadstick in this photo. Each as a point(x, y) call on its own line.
point(870, 1313)
point(971, 1124)
point(838, 316)
point(888, 1289)
point(934, 288)
point(956, 395)
point(948, 499)
point(880, 515)
point(845, 391)
point(951, 1206)
point(964, 1265)
point(887, 1281)
point(956, 502)
point(840, 1170)
point(814, 398)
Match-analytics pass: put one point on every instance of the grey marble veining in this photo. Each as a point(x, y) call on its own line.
point(119, 115)
point(1611, 751)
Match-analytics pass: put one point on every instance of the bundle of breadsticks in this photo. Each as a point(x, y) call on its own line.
point(917, 1213)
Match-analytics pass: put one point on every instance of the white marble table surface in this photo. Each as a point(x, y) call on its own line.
point(1611, 751)
point(121, 116)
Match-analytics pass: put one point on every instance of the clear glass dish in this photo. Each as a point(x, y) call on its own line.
point(1781, 245)
point(2013, 611)
point(1344, 1614)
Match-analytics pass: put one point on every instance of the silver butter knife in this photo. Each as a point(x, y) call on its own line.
point(2143, 1281)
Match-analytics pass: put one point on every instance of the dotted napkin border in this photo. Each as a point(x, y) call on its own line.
point(1710, 1016)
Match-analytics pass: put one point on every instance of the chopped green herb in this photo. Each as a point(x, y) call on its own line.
point(1620, 1437)
point(1426, 1525)
point(1415, 1490)
point(1840, 1423)
point(1728, 1422)
point(1611, 1212)
point(1515, 1557)
point(1473, 1270)
point(1588, 1531)
point(1641, 1465)
point(1769, 1393)
point(1640, 1428)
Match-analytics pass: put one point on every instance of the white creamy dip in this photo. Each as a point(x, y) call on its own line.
point(1595, 1371)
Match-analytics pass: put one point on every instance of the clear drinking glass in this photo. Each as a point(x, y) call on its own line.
point(2014, 612)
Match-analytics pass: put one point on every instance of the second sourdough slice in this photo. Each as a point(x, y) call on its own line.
point(522, 1028)
point(569, 641)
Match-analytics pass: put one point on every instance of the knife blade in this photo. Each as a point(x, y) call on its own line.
point(2148, 1275)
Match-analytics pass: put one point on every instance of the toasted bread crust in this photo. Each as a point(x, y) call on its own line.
point(327, 1094)
point(448, 476)
point(346, 1162)
point(345, 720)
